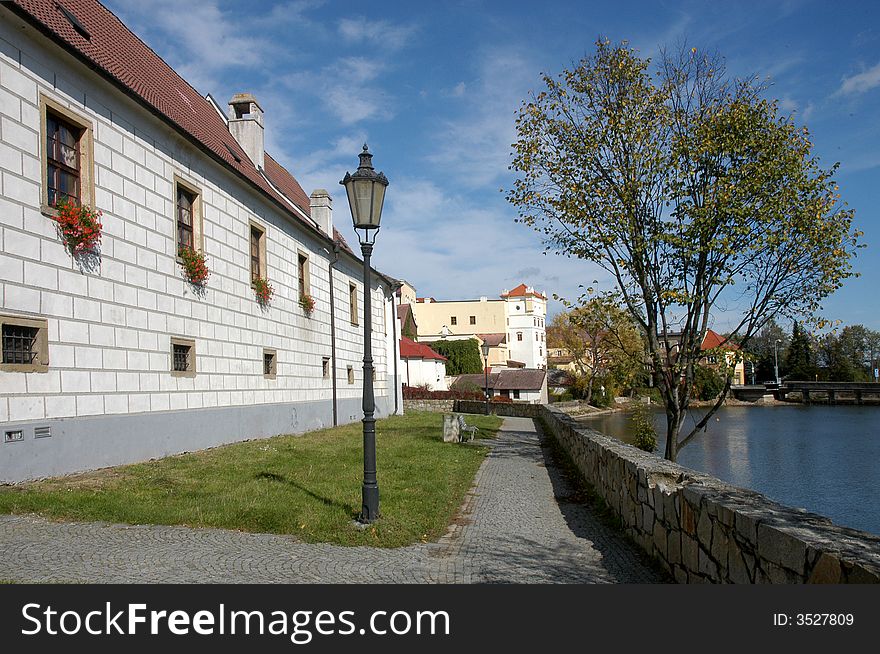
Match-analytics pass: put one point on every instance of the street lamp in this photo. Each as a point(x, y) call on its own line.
point(776, 359)
point(485, 348)
point(366, 195)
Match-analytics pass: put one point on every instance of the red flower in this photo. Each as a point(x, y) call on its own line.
point(80, 227)
point(194, 264)
point(263, 290)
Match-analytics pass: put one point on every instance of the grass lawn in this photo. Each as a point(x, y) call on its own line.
point(308, 485)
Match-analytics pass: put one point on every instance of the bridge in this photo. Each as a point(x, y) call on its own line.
point(808, 392)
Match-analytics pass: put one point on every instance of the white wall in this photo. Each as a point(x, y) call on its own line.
point(425, 371)
point(109, 331)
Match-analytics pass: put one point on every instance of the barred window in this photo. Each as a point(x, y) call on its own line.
point(24, 344)
point(183, 357)
point(19, 344)
point(270, 363)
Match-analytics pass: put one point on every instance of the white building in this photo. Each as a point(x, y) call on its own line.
point(116, 358)
point(422, 366)
point(514, 326)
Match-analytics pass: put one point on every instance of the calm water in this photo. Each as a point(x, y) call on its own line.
point(823, 459)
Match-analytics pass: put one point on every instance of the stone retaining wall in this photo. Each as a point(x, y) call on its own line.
point(514, 409)
point(703, 530)
point(437, 406)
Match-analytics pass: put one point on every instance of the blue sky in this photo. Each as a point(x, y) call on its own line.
point(433, 88)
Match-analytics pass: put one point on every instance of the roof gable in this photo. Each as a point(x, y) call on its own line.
point(409, 349)
point(523, 291)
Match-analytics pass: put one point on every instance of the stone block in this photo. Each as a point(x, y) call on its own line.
point(781, 548)
point(670, 513)
point(658, 502)
point(826, 571)
point(689, 553)
point(692, 494)
point(660, 540)
point(647, 518)
point(707, 566)
point(737, 571)
point(450, 429)
point(747, 528)
point(704, 530)
point(688, 519)
point(680, 575)
point(779, 575)
point(673, 547)
point(856, 574)
point(720, 543)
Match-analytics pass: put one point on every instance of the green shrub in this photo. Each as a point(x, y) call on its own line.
point(708, 384)
point(644, 434)
point(463, 357)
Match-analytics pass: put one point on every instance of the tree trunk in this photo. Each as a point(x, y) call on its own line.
point(674, 419)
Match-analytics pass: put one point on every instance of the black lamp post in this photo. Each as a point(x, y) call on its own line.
point(366, 195)
point(485, 348)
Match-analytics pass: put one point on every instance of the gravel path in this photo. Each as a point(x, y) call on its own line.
point(516, 526)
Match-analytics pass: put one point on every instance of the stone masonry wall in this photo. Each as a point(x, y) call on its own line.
point(703, 530)
point(513, 409)
point(437, 406)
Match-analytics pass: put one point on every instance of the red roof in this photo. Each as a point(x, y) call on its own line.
point(409, 349)
point(713, 339)
point(114, 51)
point(523, 291)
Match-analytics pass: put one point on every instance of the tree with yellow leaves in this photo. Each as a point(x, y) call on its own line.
point(692, 191)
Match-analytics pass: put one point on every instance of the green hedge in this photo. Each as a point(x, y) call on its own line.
point(464, 357)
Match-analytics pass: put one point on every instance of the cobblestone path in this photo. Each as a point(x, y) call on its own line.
point(516, 526)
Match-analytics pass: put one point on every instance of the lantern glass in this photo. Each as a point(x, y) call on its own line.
point(363, 204)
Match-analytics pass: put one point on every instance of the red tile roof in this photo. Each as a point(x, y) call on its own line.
point(117, 53)
point(522, 291)
point(713, 339)
point(409, 349)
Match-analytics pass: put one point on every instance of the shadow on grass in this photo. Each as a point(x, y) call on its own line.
point(326, 501)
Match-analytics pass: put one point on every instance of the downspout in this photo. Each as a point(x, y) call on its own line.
point(333, 333)
point(396, 351)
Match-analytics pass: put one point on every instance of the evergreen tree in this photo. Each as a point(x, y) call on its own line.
point(799, 362)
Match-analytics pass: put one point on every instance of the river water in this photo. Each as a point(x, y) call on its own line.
point(825, 459)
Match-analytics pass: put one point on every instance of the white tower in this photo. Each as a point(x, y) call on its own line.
point(526, 311)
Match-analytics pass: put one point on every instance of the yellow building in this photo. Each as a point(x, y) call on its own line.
point(513, 326)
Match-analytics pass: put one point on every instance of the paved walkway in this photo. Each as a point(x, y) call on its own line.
point(516, 526)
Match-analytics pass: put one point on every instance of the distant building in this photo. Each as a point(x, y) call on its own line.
point(720, 352)
point(422, 366)
point(514, 326)
point(519, 385)
point(724, 355)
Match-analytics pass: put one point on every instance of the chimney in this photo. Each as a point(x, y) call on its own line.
point(321, 205)
point(246, 125)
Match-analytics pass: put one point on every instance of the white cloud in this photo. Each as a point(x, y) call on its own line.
point(861, 82)
point(422, 241)
point(380, 32)
point(475, 147)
